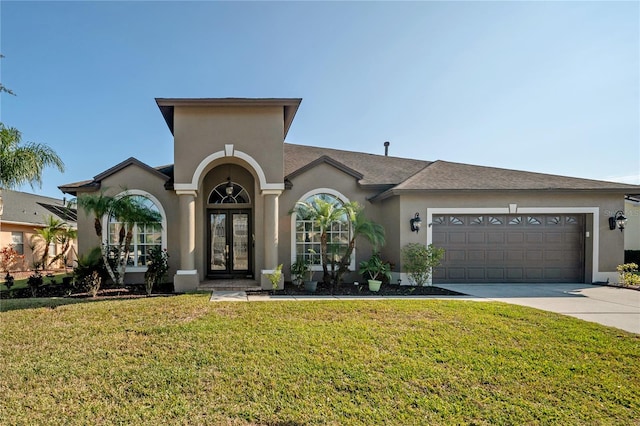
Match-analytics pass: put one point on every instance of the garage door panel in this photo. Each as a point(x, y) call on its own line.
point(572, 238)
point(511, 248)
point(495, 237)
point(456, 273)
point(515, 237)
point(534, 255)
point(534, 237)
point(495, 274)
point(457, 238)
point(553, 255)
point(553, 274)
point(476, 274)
point(515, 255)
point(455, 255)
point(534, 274)
point(553, 238)
point(495, 255)
point(515, 274)
point(439, 238)
point(476, 237)
point(476, 255)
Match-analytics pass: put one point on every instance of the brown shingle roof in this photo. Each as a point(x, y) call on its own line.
point(375, 169)
point(27, 208)
point(444, 175)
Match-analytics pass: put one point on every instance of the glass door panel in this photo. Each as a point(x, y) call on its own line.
point(240, 241)
point(218, 225)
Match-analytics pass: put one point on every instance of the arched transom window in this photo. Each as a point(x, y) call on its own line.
point(308, 232)
point(145, 237)
point(229, 193)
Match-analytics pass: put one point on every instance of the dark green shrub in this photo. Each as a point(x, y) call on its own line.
point(34, 282)
point(90, 271)
point(157, 268)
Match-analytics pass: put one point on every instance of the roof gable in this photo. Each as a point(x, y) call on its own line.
point(326, 160)
point(374, 170)
point(131, 161)
point(163, 172)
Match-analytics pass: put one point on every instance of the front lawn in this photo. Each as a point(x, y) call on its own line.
point(184, 360)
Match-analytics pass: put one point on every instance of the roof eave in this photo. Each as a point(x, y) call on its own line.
point(289, 105)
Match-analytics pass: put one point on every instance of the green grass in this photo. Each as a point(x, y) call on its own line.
point(184, 360)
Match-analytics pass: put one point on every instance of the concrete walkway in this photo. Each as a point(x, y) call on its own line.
point(611, 306)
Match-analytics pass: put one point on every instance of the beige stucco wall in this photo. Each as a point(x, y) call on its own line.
point(201, 131)
point(632, 229)
point(136, 178)
point(609, 250)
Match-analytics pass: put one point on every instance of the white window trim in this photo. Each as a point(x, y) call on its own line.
point(596, 274)
point(163, 232)
point(308, 194)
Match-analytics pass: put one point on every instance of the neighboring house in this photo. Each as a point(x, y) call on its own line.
point(632, 228)
point(226, 202)
point(22, 215)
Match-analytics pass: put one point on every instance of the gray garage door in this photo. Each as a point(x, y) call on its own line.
point(510, 248)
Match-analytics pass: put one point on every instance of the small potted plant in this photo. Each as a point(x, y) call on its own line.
point(310, 285)
point(375, 268)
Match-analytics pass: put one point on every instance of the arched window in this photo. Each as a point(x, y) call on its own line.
point(229, 193)
point(307, 232)
point(145, 237)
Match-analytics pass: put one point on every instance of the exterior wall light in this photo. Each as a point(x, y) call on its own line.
point(416, 223)
point(618, 220)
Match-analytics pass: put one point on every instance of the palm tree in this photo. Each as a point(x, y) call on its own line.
point(23, 163)
point(324, 213)
point(359, 226)
point(98, 206)
point(129, 211)
point(49, 234)
point(65, 238)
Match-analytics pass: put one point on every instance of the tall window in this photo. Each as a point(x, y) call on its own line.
point(17, 240)
point(145, 237)
point(307, 234)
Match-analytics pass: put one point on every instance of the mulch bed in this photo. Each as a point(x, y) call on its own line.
point(363, 290)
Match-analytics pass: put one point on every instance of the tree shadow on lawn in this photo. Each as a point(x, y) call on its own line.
point(53, 302)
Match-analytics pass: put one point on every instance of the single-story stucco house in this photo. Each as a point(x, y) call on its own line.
point(21, 215)
point(226, 203)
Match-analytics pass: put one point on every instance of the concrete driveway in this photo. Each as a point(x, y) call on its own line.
point(611, 306)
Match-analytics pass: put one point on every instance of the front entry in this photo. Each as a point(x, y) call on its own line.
point(230, 244)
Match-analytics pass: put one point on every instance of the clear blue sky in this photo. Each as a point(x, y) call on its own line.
point(542, 86)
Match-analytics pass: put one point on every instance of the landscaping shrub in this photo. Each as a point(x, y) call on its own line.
point(90, 271)
point(419, 260)
point(629, 274)
point(34, 282)
point(157, 268)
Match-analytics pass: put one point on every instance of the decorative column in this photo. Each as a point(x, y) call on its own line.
point(186, 278)
point(270, 234)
